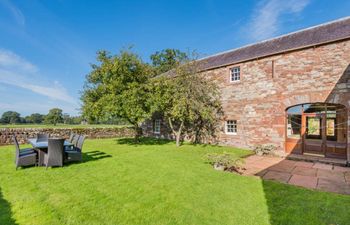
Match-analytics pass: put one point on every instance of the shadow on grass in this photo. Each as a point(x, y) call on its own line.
point(289, 204)
point(143, 141)
point(94, 155)
point(292, 205)
point(5, 212)
point(89, 157)
point(204, 145)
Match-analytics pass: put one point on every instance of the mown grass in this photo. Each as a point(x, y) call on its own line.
point(155, 183)
point(60, 126)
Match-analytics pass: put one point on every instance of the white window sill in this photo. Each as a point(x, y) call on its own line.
point(227, 133)
point(235, 81)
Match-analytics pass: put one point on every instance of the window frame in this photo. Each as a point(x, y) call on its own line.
point(236, 74)
point(289, 121)
point(335, 136)
point(234, 132)
point(157, 124)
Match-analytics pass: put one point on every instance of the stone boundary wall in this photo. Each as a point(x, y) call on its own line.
point(23, 134)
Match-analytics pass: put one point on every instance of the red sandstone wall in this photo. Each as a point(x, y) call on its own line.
point(259, 100)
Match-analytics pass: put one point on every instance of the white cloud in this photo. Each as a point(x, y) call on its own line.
point(266, 20)
point(15, 11)
point(10, 60)
point(16, 71)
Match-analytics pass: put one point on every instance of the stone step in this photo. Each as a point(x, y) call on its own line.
point(311, 158)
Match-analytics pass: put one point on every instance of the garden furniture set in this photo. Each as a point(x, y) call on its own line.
point(48, 151)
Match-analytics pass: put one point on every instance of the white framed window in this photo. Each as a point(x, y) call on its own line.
point(156, 126)
point(235, 74)
point(231, 127)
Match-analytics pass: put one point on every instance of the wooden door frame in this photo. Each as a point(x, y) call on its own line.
point(323, 135)
point(290, 143)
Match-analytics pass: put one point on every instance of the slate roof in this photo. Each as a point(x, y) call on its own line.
point(313, 36)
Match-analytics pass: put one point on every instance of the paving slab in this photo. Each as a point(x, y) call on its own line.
point(304, 164)
point(262, 164)
point(277, 176)
point(253, 158)
point(333, 186)
point(288, 162)
point(347, 177)
point(317, 175)
point(282, 167)
point(272, 160)
point(341, 169)
point(304, 171)
point(253, 171)
point(331, 175)
point(261, 173)
point(303, 181)
point(322, 166)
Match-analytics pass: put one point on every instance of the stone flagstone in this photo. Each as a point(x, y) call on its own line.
point(331, 175)
point(277, 176)
point(303, 181)
point(324, 177)
point(304, 164)
point(323, 166)
point(333, 186)
point(304, 171)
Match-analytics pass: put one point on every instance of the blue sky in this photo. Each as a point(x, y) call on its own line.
point(46, 47)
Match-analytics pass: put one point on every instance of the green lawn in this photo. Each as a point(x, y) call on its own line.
point(155, 183)
point(59, 126)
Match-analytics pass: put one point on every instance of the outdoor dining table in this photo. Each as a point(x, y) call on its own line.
point(42, 146)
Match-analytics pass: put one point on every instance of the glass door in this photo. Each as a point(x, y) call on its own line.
point(317, 128)
point(314, 139)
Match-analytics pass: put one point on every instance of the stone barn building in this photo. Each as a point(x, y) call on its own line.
point(292, 91)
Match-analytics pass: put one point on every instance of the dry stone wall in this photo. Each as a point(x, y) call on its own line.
point(23, 134)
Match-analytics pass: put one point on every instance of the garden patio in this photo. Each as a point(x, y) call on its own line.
point(155, 182)
point(313, 175)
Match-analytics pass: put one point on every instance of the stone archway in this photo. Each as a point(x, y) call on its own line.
point(318, 129)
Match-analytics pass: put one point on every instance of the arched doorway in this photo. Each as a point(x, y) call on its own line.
point(318, 129)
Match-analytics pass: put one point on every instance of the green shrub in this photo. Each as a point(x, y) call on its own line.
point(225, 161)
point(266, 149)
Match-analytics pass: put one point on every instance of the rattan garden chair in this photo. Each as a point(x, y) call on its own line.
point(71, 137)
point(55, 153)
point(70, 140)
point(23, 150)
point(76, 153)
point(24, 157)
point(75, 140)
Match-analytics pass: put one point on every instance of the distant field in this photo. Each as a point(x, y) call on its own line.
point(60, 126)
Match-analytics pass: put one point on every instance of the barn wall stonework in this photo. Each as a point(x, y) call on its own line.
point(269, 85)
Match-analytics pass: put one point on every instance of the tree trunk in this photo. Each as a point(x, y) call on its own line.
point(178, 137)
point(138, 133)
point(196, 136)
point(177, 133)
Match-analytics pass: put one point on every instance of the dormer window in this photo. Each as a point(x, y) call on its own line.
point(235, 74)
